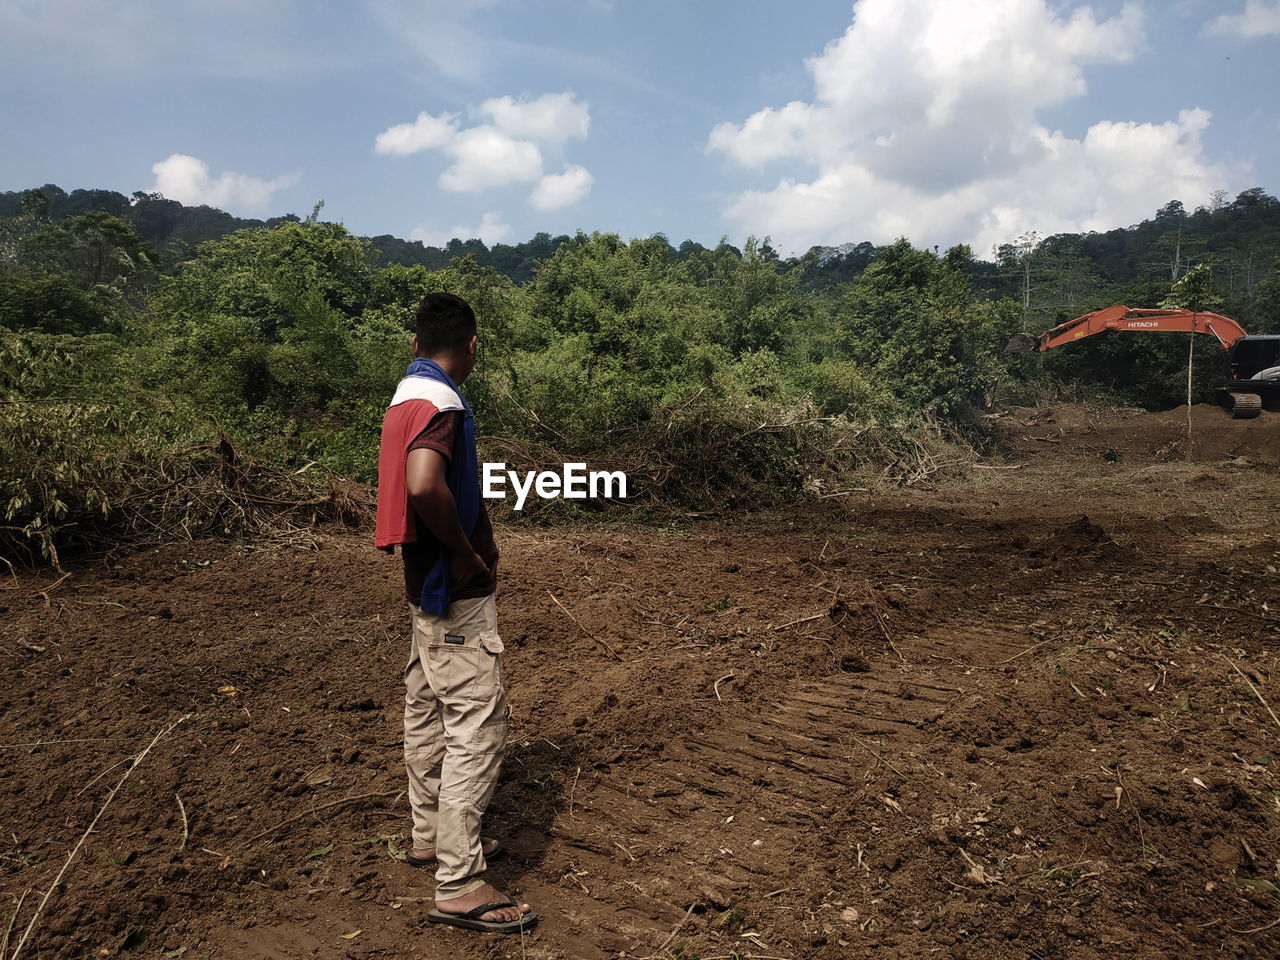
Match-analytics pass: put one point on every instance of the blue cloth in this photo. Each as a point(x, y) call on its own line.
point(463, 478)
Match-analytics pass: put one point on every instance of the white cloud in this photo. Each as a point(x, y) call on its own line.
point(425, 133)
point(557, 190)
point(188, 180)
point(924, 122)
point(765, 136)
point(552, 117)
point(491, 230)
point(486, 157)
point(1259, 18)
point(503, 152)
point(482, 156)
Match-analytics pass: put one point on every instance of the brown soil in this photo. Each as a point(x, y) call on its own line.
point(1021, 715)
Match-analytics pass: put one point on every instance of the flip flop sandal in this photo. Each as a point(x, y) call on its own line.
point(471, 919)
point(413, 861)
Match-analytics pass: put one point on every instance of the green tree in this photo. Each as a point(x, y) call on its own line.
point(268, 315)
point(913, 319)
point(53, 304)
point(1195, 290)
point(97, 249)
point(1269, 301)
point(17, 231)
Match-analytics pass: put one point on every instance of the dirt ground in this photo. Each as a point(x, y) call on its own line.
point(1026, 714)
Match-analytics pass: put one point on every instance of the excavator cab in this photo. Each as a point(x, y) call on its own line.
point(1253, 375)
point(1254, 359)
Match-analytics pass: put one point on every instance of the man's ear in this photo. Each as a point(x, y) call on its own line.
point(413, 345)
point(471, 346)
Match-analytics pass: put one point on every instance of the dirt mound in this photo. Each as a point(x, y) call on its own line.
point(1139, 436)
point(1018, 717)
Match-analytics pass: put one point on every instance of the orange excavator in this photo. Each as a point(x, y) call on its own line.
point(1253, 363)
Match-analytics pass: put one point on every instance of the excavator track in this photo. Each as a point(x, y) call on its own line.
point(1245, 406)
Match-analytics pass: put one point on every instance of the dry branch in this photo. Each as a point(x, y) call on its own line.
point(676, 929)
point(878, 756)
point(88, 830)
point(604, 643)
point(1256, 692)
point(794, 623)
point(185, 831)
point(8, 930)
point(716, 686)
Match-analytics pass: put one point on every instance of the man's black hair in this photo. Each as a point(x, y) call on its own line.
point(444, 324)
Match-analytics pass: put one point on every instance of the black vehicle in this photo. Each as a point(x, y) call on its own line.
point(1253, 375)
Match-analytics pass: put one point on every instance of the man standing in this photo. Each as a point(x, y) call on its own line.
point(455, 714)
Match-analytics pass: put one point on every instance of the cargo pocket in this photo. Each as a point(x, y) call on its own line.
point(454, 669)
point(489, 674)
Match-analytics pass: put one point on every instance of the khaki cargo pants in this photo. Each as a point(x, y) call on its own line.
point(455, 732)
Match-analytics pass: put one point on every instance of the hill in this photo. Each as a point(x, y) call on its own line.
point(1058, 273)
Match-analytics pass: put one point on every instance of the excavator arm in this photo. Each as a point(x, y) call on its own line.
point(1244, 395)
point(1226, 330)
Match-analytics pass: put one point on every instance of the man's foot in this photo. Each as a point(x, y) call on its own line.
point(423, 855)
point(478, 898)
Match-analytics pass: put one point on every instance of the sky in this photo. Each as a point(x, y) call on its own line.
point(815, 122)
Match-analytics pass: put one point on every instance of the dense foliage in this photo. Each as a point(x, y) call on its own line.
point(148, 387)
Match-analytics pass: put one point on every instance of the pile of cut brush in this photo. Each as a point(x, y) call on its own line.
point(706, 457)
point(104, 494)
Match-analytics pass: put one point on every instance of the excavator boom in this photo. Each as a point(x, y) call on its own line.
point(1252, 372)
point(1224, 329)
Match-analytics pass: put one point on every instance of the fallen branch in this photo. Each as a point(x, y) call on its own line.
point(796, 623)
point(49, 589)
point(185, 833)
point(573, 790)
point(604, 643)
point(716, 686)
point(677, 928)
point(1265, 926)
point(88, 830)
point(875, 609)
point(1256, 692)
point(1248, 613)
point(878, 757)
point(13, 918)
point(1034, 646)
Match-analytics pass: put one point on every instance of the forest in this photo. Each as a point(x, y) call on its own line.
point(174, 370)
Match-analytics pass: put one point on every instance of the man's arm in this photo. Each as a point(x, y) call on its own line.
point(429, 493)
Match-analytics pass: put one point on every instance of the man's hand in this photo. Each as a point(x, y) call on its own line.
point(433, 502)
point(464, 568)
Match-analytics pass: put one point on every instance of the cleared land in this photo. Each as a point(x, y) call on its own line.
point(1027, 714)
